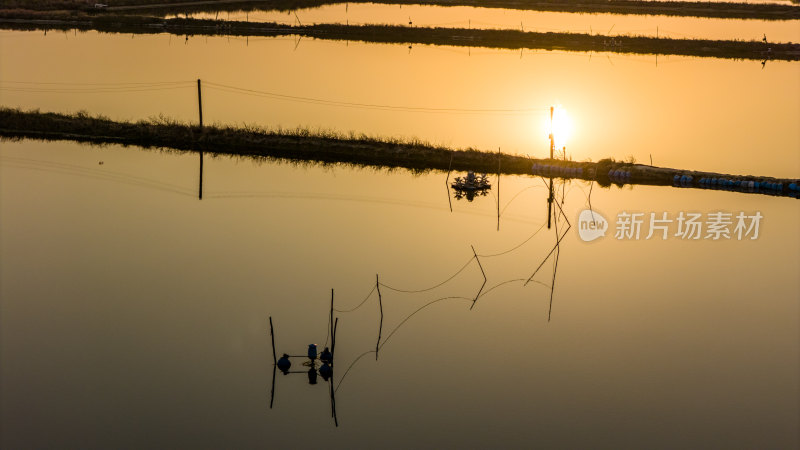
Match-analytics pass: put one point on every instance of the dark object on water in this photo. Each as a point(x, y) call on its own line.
point(471, 185)
point(312, 352)
point(326, 371)
point(326, 356)
point(284, 364)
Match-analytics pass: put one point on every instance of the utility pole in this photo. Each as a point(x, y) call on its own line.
point(200, 102)
point(552, 141)
point(499, 157)
point(200, 111)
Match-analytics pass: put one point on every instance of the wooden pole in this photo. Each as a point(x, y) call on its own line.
point(200, 102)
point(272, 335)
point(484, 277)
point(380, 305)
point(333, 340)
point(499, 156)
point(552, 142)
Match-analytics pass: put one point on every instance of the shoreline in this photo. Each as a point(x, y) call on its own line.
point(734, 10)
point(326, 148)
point(459, 37)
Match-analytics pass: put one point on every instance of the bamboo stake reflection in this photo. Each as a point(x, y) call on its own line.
point(560, 232)
point(447, 181)
point(482, 273)
point(380, 305)
point(557, 247)
point(200, 189)
point(312, 372)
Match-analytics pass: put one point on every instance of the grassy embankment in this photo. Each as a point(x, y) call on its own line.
point(323, 147)
point(739, 10)
point(506, 39)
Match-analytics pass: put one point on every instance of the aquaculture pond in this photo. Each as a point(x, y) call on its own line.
point(136, 315)
point(718, 115)
point(541, 21)
point(137, 284)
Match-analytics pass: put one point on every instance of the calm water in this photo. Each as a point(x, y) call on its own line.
point(135, 315)
point(468, 17)
point(699, 113)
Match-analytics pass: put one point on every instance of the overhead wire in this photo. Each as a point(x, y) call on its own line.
point(68, 83)
point(327, 102)
point(89, 88)
point(107, 87)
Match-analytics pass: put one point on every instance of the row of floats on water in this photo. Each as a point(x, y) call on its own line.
point(547, 169)
point(618, 175)
point(727, 183)
point(624, 176)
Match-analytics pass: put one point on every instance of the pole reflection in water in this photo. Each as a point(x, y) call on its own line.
point(556, 220)
point(200, 188)
point(325, 370)
point(559, 237)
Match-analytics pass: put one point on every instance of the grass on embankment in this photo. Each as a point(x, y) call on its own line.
point(323, 147)
point(740, 10)
point(507, 39)
point(298, 144)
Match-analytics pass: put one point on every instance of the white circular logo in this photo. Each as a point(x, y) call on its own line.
point(591, 225)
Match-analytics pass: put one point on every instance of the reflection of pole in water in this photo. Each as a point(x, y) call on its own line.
point(274, 360)
point(272, 336)
point(333, 402)
point(447, 181)
point(272, 392)
point(555, 271)
point(380, 305)
point(482, 273)
point(200, 189)
point(550, 203)
point(499, 156)
point(333, 339)
point(200, 120)
point(312, 371)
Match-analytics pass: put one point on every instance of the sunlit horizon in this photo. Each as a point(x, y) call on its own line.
point(561, 126)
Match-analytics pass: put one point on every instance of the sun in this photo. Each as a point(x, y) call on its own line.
point(561, 126)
